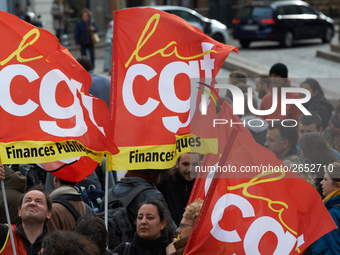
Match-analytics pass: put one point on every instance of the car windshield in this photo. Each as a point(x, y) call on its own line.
point(255, 11)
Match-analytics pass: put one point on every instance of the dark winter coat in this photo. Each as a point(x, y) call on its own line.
point(126, 184)
point(329, 244)
point(176, 191)
point(321, 106)
point(15, 186)
point(140, 246)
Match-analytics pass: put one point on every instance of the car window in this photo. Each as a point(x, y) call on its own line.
point(256, 11)
point(186, 16)
point(288, 10)
point(306, 10)
point(263, 12)
point(245, 12)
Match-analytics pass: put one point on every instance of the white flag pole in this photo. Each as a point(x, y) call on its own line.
point(8, 217)
point(106, 196)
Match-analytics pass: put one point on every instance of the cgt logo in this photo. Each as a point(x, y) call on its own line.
point(204, 101)
point(166, 88)
point(238, 102)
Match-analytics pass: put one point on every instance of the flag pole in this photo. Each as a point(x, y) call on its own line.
point(106, 200)
point(212, 187)
point(8, 217)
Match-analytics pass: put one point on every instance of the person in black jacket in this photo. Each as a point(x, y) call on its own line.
point(176, 187)
point(133, 180)
point(84, 27)
point(318, 103)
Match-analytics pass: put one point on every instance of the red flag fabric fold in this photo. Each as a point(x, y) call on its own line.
point(156, 59)
point(45, 102)
point(256, 205)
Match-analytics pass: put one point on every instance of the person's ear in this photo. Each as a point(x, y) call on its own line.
point(285, 143)
point(56, 182)
point(337, 184)
point(49, 215)
point(177, 163)
point(164, 222)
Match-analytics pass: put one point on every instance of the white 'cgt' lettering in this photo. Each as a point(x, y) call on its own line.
point(166, 89)
point(285, 240)
point(48, 102)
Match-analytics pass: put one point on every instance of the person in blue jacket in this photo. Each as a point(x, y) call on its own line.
point(84, 27)
point(330, 242)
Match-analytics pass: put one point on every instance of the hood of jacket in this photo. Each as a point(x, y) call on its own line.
point(318, 101)
point(15, 180)
point(256, 125)
point(333, 202)
point(65, 189)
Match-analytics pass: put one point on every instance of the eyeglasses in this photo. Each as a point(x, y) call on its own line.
point(181, 225)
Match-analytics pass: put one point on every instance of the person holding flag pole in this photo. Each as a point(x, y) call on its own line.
point(2, 177)
point(26, 238)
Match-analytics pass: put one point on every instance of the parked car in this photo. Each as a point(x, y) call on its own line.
point(282, 21)
point(211, 27)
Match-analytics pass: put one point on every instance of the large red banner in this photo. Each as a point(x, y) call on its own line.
point(155, 59)
point(46, 111)
point(211, 160)
point(253, 203)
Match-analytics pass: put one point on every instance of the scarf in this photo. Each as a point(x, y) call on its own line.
point(151, 247)
point(140, 174)
point(332, 194)
point(64, 190)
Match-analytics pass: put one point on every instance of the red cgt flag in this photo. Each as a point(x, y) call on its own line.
point(45, 104)
point(210, 161)
point(155, 60)
point(256, 205)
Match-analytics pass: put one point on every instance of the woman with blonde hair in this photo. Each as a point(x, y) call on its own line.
point(330, 243)
point(186, 225)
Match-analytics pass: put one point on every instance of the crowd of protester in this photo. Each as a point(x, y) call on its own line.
point(53, 217)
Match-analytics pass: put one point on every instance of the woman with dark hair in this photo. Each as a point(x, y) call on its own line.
point(68, 242)
point(318, 103)
point(94, 228)
point(315, 149)
point(153, 233)
point(330, 242)
point(332, 133)
point(146, 180)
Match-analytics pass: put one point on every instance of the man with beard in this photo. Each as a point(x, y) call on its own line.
point(262, 85)
point(176, 187)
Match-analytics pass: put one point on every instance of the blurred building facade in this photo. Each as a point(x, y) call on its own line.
point(222, 10)
point(102, 10)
